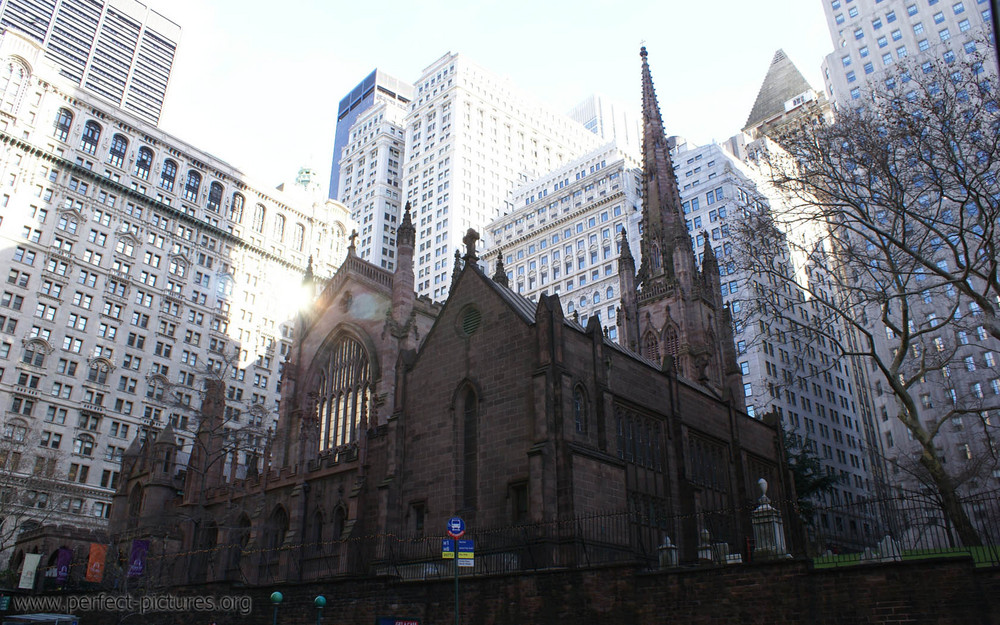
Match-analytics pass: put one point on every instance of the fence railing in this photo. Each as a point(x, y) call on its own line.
point(876, 530)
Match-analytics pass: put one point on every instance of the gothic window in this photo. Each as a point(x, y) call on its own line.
point(580, 410)
point(98, 372)
point(236, 209)
point(275, 529)
point(258, 218)
point(64, 121)
point(119, 147)
point(143, 163)
point(470, 418)
point(344, 393)
point(91, 136)
point(12, 76)
point(671, 342)
point(279, 227)
point(168, 175)
point(214, 197)
point(317, 530)
point(656, 257)
point(651, 347)
point(191, 186)
point(34, 353)
point(135, 504)
point(298, 237)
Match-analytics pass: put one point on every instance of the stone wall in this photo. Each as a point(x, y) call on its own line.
point(940, 591)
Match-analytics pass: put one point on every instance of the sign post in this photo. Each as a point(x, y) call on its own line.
point(456, 529)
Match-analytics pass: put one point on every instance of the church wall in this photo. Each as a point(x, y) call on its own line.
point(496, 359)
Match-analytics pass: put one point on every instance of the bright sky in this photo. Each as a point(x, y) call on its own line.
point(257, 83)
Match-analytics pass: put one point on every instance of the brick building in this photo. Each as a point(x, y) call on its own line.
point(399, 413)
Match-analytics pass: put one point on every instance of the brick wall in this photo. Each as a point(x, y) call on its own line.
point(943, 591)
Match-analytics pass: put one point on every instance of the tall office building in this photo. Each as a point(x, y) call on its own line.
point(138, 266)
point(471, 139)
point(376, 87)
point(370, 177)
point(610, 120)
point(871, 36)
point(120, 50)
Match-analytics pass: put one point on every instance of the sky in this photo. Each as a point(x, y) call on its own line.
point(257, 83)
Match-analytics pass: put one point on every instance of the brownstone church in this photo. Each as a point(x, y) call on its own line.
point(399, 413)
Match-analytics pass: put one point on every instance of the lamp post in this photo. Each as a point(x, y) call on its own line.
point(276, 598)
point(320, 603)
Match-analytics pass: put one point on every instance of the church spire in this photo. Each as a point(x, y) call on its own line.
point(663, 219)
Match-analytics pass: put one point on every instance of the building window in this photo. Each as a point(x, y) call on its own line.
point(168, 175)
point(344, 393)
point(119, 148)
point(470, 439)
point(298, 238)
point(191, 186)
point(279, 227)
point(143, 163)
point(91, 137)
point(580, 410)
point(64, 121)
point(214, 197)
point(236, 209)
point(259, 213)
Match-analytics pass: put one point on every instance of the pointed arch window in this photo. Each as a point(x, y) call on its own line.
point(168, 175)
point(214, 197)
point(344, 393)
point(651, 347)
point(236, 209)
point(470, 447)
point(580, 410)
point(118, 150)
point(91, 137)
point(143, 163)
point(671, 342)
point(276, 529)
point(135, 500)
point(64, 121)
point(191, 186)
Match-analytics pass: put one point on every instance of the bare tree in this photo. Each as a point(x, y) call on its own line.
point(896, 206)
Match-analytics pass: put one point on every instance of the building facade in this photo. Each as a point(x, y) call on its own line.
point(119, 50)
point(138, 267)
point(371, 177)
point(871, 37)
point(471, 139)
point(376, 87)
point(610, 120)
point(785, 99)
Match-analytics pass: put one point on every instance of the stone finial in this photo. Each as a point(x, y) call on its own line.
point(470, 238)
point(762, 484)
point(500, 275)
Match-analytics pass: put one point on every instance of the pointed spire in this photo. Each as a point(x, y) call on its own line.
point(709, 260)
point(457, 271)
point(782, 83)
point(500, 275)
point(166, 436)
point(662, 218)
point(625, 256)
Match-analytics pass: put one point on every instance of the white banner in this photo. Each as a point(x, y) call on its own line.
point(31, 561)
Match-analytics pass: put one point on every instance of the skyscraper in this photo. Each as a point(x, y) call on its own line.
point(120, 50)
point(377, 86)
point(785, 97)
point(871, 37)
point(472, 138)
point(610, 120)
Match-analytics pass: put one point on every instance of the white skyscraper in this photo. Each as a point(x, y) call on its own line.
point(871, 36)
point(472, 138)
point(610, 120)
point(370, 177)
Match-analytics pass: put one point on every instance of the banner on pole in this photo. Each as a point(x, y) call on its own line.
point(63, 558)
point(95, 563)
point(31, 561)
point(137, 561)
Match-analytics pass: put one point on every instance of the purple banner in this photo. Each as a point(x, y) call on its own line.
point(63, 558)
point(137, 561)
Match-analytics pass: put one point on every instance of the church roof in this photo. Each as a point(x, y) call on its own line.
point(783, 82)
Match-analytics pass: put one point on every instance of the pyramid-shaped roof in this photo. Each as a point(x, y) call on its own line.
point(783, 82)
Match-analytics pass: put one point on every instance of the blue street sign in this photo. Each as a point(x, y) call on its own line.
point(466, 552)
point(447, 549)
point(456, 527)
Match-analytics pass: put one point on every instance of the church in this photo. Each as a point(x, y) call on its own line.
point(399, 413)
